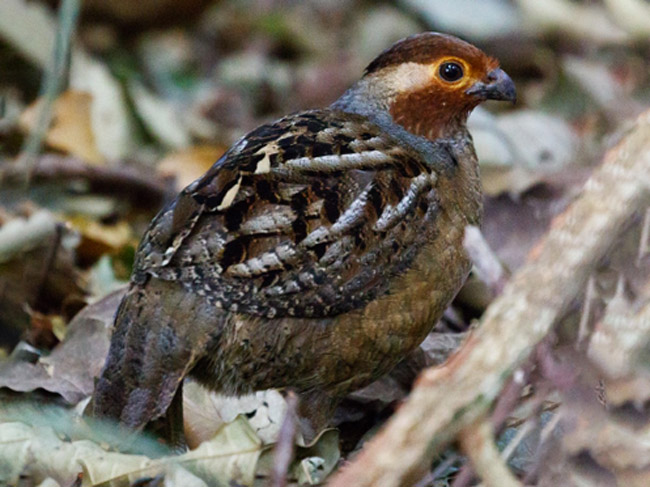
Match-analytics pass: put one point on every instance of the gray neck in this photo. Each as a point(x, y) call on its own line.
point(361, 99)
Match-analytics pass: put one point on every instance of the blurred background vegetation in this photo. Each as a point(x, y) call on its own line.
point(108, 108)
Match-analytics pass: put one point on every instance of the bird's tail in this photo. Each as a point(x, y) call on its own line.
point(155, 342)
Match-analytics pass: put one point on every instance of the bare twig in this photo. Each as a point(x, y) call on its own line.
point(284, 448)
point(450, 398)
point(465, 476)
point(440, 470)
point(510, 395)
point(544, 442)
point(644, 244)
point(112, 180)
point(505, 404)
point(523, 431)
point(587, 312)
point(478, 443)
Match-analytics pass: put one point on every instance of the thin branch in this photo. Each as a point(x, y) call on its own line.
point(478, 443)
point(465, 476)
point(507, 401)
point(523, 431)
point(644, 244)
point(447, 399)
point(123, 180)
point(587, 312)
point(284, 448)
point(510, 395)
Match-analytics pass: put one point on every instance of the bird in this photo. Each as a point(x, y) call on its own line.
point(317, 252)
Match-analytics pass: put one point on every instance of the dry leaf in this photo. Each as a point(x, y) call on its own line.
point(518, 149)
point(159, 116)
point(317, 460)
point(110, 119)
point(512, 226)
point(71, 128)
point(39, 272)
point(190, 164)
point(71, 368)
point(205, 412)
point(98, 238)
point(30, 27)
point(601, 82)
point(37, 453)
point(312, 463)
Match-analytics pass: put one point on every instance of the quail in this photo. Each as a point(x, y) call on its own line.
point(318, 251)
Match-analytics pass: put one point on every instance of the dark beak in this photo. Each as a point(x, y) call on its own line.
point(498, 86)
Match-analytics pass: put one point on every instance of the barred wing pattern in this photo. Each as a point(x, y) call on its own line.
point(309, 216)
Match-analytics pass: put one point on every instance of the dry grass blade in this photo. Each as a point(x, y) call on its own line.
point(54, 78)
point(448, 399)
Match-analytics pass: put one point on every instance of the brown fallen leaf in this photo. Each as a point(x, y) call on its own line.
point(71, 128)
point(98, 239)
point(190, 164)
point(42, 334)
point(71, 368)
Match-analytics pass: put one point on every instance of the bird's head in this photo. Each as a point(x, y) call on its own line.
point(430, 82)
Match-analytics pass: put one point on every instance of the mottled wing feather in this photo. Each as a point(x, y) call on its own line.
point(312, 215)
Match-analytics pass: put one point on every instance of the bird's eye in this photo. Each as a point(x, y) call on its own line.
point(451, 72)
